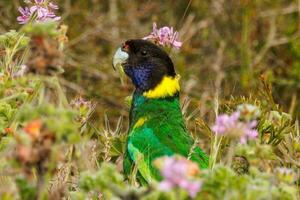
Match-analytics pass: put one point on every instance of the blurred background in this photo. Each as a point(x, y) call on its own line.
point(230, 47)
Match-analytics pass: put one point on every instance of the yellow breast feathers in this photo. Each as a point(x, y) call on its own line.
point(167, 87)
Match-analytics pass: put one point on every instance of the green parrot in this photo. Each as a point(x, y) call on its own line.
point(156, 124)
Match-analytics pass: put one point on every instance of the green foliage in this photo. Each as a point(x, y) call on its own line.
point(26, 190)
point(275, 126)
point(105, 180)
point(60, 121)
point(223, 182)
point(6, 114)
point(42, 29)
point(13, 94)
point(13, 39)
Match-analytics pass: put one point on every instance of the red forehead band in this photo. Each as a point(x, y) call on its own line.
point(125, 47)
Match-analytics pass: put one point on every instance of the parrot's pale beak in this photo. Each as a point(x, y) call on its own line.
point(120, 58)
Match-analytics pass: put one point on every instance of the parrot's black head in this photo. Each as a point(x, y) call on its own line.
point(145, 63)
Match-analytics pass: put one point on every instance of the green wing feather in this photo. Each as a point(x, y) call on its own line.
point(162, 133)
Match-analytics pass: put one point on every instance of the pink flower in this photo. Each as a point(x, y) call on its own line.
point(164, 36)
point(179, 172)
point(231, 125)
point(25, 15)
point(53, 6)
point(250, 131)
point(43, 10)
point(225, 122)
point(39, 1)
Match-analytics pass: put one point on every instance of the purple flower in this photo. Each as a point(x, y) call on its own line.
point(225, 122)
point(43, 10)
point(179, 172)
point(250, 131)
point(231, 125)
point(164, 36)
point(53, 6)
point(25, 15)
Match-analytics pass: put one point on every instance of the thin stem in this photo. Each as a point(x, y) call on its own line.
point(230, 154)
point(215, 151)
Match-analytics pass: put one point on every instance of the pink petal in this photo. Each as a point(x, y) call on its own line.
point(252, 133)
point(22, 11)
point(253, 124)
point(165, 36)
point(50, 14)
point(22, 20)
point(148, 37)
point(165, 185)
point(39, 1)
point(56, 18)
point(42, 13)
point(53, 6)
point(33, 9)
point(154, 29)
point(193, 188)
point(235, 116)
point(177, 44)
point(243, 140)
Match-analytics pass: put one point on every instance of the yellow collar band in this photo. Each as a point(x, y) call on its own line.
point(167, 87)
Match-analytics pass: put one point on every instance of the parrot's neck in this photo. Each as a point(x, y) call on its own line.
point(144, 108)
point(168, 87)
point(161, 100)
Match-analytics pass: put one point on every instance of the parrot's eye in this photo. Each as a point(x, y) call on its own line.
point(144, 52)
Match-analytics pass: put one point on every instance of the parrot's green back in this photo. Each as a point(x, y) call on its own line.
point(157, 129)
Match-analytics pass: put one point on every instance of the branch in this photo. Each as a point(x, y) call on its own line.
point(293, 8)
